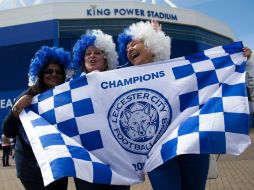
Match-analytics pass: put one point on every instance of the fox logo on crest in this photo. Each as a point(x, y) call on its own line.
point(138, 118)
point(139, 121)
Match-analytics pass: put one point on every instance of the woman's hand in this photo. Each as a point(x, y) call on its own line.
point(247, 52)
point(22, 103)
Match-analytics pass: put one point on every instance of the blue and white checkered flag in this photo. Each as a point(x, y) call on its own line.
point(112, 127)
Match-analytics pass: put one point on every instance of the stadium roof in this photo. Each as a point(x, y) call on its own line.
point(12, 4)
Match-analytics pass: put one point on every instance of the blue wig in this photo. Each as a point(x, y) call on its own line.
point(100, 40)
point(123, 40)
point(80, 48)
point(43, 56)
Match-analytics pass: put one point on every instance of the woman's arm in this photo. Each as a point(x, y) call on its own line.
point(12, 122)
point(11, 125)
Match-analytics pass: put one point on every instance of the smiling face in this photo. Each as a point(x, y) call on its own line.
point(138, 54)
point(94, 59)
point(53, 75)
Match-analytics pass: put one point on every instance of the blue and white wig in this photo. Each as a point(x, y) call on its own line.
point(43, 56)
point(155, 40)
point(100, 40)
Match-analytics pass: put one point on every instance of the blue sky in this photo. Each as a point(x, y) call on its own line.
point(237, 14)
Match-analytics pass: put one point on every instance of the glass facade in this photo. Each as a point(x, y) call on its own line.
point(185, 39)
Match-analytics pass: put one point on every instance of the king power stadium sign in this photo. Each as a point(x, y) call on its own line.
point(130, 12)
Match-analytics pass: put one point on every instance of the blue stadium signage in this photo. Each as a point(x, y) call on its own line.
point(130, 12)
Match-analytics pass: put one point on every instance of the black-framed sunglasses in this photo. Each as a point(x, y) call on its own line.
point(51, 71)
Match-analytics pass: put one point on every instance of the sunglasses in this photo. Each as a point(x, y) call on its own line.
point(51, 71)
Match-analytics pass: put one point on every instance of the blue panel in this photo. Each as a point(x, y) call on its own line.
point(240, 68)
point(50, 116)
point(222, 62)
point(59, 169)
point(230, 120)
point(34, 108)
point(62, 99)
point(51, 140)
point(79, 153)
point(31, 32)
point(169, 149)
point(206, 78)
point(88, 140)
point(102, 173)
point(78, 82)
point(213, 105)
point(183, 71)
point(197, 57)
point(234, 90)
point(83, 107)
point(190, 125)
point(188, 100)
point(233, 48)
point(212, 142)
point(45, 95)
point(68, 127)
point(39, 122)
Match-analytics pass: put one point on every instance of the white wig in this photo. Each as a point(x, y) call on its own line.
point(100, 40)
point(155, 40)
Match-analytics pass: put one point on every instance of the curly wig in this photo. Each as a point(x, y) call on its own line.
point(44, 56)
point(156, 41)
point(101, 41)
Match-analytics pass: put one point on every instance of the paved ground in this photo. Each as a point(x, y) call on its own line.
point(235, 173)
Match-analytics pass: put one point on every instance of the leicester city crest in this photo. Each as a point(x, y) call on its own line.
point(138, 118)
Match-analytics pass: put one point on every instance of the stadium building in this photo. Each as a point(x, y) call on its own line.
point(27, 25)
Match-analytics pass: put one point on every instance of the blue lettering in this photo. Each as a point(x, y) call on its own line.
point(88, 12)
point(115, 114)
point(135, 79)
point(119, 83)
point(127, 81)
point(104, 85)
point(99, 12)
point(112, 83)
point(129, 11)
point(107, 12)
point(162, 73)
point(115, 11)
point(173, 17)
point(161, 15)
point(122, 12)
point(146, 77)
point(6, 103)
point(137, 12)
point(142, 12)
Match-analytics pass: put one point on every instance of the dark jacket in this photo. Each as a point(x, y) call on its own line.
point(26, 164)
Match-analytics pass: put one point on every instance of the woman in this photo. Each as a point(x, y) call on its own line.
point(46, 71)
point(95, 51)
point(142, 43)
